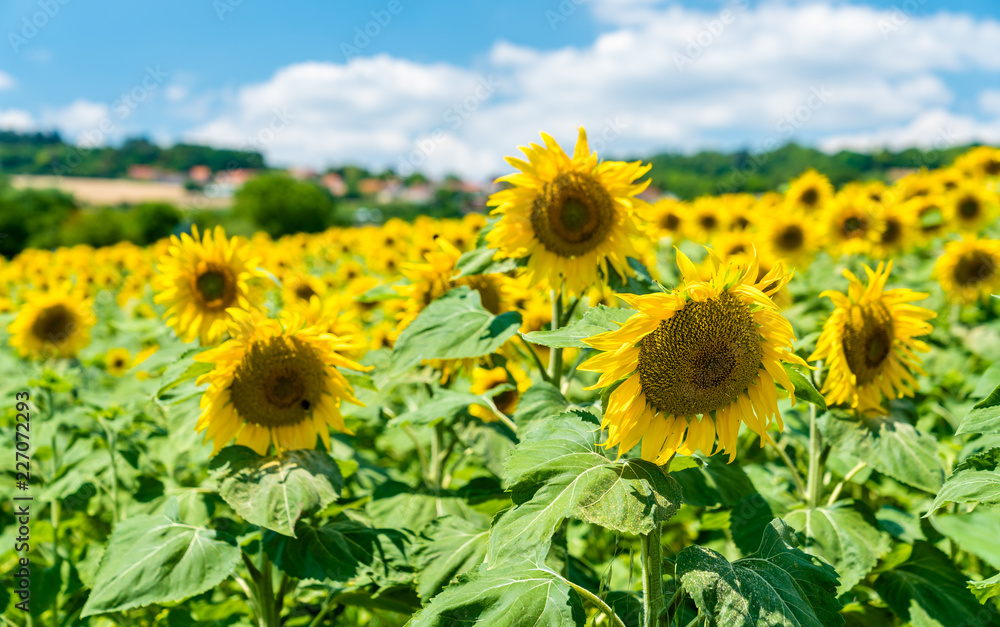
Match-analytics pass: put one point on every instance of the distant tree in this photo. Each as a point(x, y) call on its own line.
point(31, 217)
point(152, 221)
point(281, 205)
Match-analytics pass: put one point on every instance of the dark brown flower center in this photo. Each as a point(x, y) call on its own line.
point(572, 214)
point(278, 382)
point(216, 287)
point(54, 324)
point(791, 238)
point(973, 268)
point(867, 341)
point(701, 358)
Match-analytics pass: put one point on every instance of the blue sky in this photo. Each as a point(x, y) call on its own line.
point(452, 86)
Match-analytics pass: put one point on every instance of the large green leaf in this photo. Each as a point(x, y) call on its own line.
point(969, 486)
point(397, 505)
point(275, 492)
point(596, 320)
point(447, 548)
point(778, 586)
point(341, 551)
point(845, 535)
point(558, 471)
point(986, 589)
point(976, 532)
point(455, 326)
point(984, 416)
point(641, 282)
point(930, 581)
point(512, 595)
point(158, 559)
point(715, 484)
point(890, 446)
point(540, 401)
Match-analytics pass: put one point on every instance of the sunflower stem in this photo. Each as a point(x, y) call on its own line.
point(652, 578)
point(555, 354)
point(840, 486)
point(815, 477)
point(536, 359)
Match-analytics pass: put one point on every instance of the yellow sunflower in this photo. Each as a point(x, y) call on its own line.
point(696, 362)
point(809, 192)
point(201, 279)
point(968, 270)
point(274, 383)
point(898, 230)
point(970, 207)
point(852, 223)
point(54, 323)
point(117, 361)
point(571, 217)
point(665, 218)
point(707, 218)
point(868, 343)
point(791, 236)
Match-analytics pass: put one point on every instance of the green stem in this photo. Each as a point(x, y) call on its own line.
point(57, 560)
point(434, 473)
point(840, 486)
point(599, 602)
point(112, 445)
point(569, 312)
point(421, 457)
point(815, 477)
point(269, 612)
point(697, 620)
point(327, 606)
point(536, 359)
point(796, 476)
point(652, 579)
point(555, 354)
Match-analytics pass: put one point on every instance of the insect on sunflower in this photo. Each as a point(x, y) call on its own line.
point(275, 383)
point(869, 342)
point(696, 362)
point(570, 216)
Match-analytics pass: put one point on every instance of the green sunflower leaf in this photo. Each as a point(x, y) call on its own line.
point(927, 586)
point(480, 261)
point(889, 445)
point(158, 559)
point(511, 595)
point(846, 535)
point(455, 326)
point(641, 282)
point(804, 388)
point(778, 586)
point(984, 416)
point(558, 471)
point(970, 486)
point(540, 401)
point(275, 492)
point(448, 547)
point(444, 405)
point(341, 551)
point(975, 532)
point(596, 320)
point(986, 589)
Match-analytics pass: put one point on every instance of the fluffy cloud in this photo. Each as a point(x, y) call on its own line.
point(660, 77)
point(16, 120)
point(82, 121)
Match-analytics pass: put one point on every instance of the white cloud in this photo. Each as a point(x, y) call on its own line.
point(989, 101)
point(6, 80)
point(16, 120)
point(934, 129)
point(662, 77)
point(82, 121)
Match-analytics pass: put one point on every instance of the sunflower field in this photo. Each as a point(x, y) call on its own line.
point(574, 408)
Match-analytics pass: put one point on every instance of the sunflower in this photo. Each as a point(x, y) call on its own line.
point(201, 280)
point(117, 361)
point(571, 217)
point(852, 223)
point(707, 218)
point(486, 379)
point(898, 230)
point(274, 383)
point(970, 207)
point(810, 192)
point(968, 270)
point(665, 218)
point(53, 323)
point(696, 362)
point(791, 236)
point(868, 342)
point(981, 162)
